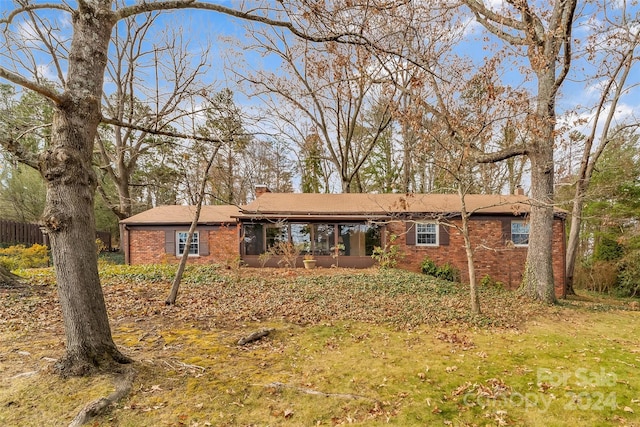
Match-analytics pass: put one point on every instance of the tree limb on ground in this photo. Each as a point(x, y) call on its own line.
point(255, 336)
point(123, 383)
point(280, 386)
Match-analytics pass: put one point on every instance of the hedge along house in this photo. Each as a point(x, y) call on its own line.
point(343, 229)
point(159, 235)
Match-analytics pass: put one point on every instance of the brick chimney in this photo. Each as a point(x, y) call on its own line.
point(519, 191)
point(261, 189)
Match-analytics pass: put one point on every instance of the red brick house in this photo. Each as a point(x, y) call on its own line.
point(159, 235)
point(343, 229)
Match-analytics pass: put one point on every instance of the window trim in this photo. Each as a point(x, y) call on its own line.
point(437, 233)
point(196, 237)
point(522, 222)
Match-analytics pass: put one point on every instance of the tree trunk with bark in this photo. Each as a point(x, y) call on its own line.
point(175, 286)
point(8, 279)
point(546, 36)
point(617, 85)
point(538, 282)
point(66, 165)
point(71, 183)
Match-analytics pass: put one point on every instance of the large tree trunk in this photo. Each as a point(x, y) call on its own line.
point(71, 185)
point(546, 35)
point(538, 280)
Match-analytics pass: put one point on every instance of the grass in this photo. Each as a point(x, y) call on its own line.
point(385, 347)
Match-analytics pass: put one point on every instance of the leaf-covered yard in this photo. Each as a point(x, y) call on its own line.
point(348, 346)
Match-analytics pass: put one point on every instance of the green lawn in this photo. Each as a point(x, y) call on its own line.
point(348, 347)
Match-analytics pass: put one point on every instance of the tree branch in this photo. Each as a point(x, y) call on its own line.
point(116, 122)
point(280, 386)
point(531, 23)
point(479, 8)
point(123, 385)
point(507, 153)
point(32, 7)
point(566, 24)
point(510, 38)
point(38, 88)
point(194, 4)
point(16, 149)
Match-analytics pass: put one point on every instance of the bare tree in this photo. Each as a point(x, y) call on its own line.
point(267, 161)
point(614, 44)
point(328, 88)
point(153, 80)
point(66, 164)
point(544, 33)
point(175, 287)
point(468, 113)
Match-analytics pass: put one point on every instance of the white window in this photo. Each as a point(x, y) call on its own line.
point(181, 242)
point(520, 233)
point(427, 234)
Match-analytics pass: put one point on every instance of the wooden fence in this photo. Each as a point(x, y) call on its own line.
point(14, 233)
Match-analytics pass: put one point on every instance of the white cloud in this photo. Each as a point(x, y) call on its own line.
point(47, 72)
point(583, 122)
point(28, 34)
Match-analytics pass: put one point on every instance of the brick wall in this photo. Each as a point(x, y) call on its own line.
point(147, 246)
point(504, 263)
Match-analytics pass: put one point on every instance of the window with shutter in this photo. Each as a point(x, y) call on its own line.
point(181, 243)
point(427, 233)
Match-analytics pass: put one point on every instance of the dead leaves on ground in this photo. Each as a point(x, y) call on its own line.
point(218, 297)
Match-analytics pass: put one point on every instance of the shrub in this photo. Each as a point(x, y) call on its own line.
point(448, 272)
point(20, 257)
point(287, 252)
point(608, 250)
point(114, 258)
point(598, 276)
point(628, 283)
point(489, 282)
point(428, 267)
point(100, 246)
point(389, 255)
point(445, 272)
point(264, 258)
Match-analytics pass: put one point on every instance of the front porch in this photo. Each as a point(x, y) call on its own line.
point(286, 244)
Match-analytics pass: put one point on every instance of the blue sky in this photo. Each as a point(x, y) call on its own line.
point(203, 27)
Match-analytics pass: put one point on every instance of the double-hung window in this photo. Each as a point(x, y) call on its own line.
point(520, 233)
point(181, 243)
point(427, 233)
